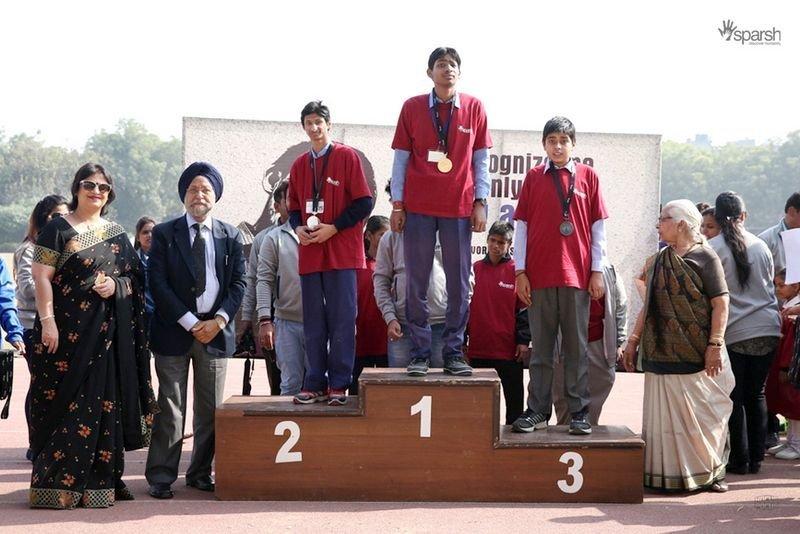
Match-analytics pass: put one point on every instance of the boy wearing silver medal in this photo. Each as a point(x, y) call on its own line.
point(560, 252)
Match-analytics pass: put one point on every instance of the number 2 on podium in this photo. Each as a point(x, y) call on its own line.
point(285, 454)
point(423, 407)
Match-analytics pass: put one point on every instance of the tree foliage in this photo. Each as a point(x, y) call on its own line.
point(765, 175)
point(144, 168)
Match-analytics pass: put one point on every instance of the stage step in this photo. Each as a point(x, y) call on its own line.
point(436, 438)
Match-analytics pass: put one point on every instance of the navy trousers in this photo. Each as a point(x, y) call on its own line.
point(329, 327)
point(419, 242)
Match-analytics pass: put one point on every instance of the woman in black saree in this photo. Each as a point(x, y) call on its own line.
point(90, 372)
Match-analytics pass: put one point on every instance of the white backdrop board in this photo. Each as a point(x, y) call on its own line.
point(254, 155)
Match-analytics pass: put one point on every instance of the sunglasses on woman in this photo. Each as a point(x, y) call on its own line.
point(89, 185)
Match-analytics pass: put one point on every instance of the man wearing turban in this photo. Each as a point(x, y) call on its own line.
point(197, 281)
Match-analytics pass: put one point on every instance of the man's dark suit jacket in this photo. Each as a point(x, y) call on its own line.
point(172, 280)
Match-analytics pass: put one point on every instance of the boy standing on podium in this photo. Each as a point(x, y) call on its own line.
point(440, 180)
point(328, 201)
point(559, 254)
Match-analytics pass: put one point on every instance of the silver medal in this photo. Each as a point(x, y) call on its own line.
point(312, 222)
point(566, 228)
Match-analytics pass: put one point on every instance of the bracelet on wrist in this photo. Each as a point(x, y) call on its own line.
point(47, 317)
point(397, 210)
point(265, 320)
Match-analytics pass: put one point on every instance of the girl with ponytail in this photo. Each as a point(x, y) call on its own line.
point(753, 330)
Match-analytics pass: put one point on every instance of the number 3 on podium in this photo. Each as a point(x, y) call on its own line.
point(573, 471)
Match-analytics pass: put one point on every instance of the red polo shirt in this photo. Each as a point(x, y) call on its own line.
point(553, 260)
point(427, 190)
point(493, 311)
point(371, 335)
point(342, 183)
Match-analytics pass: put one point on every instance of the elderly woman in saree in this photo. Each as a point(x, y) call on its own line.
point(679, 335)
point(90, 373)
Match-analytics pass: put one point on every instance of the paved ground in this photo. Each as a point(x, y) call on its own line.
point(768, 502)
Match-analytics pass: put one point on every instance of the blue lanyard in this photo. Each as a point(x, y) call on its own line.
point(442, 131)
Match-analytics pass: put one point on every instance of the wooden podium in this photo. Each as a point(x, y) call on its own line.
point(436, 438)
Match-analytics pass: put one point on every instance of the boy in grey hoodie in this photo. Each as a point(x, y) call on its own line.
point(278, 288)
point(389, 280)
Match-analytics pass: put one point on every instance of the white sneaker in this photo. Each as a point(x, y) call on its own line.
point(789, 453)
point(777, 448)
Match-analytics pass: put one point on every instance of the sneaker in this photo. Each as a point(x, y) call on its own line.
point(418, 367)
point(777, 448)
point(580, 423)
point(772, 440)
point(530, 421)
point(790, 452)
point(310, 397)
point(337, 397)
point(457, 366)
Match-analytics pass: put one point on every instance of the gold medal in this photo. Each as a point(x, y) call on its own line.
point(445, 165)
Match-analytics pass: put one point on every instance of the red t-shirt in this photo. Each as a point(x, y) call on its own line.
point(371, 336)
point(553, 260)
point(427, 190)
point(343, 183)
point(493, 311)
point(597, 312)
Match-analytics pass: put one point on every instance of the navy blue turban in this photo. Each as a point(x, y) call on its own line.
point(200, 168)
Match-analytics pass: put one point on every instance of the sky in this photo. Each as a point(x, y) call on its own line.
point(71, 69)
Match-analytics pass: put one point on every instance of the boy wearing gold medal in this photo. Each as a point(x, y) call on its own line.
point(440, 181)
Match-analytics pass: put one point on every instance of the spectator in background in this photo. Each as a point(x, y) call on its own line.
point(371, 336)
point(279, 303)
point(702, 206)
point(772, 236)
point(499, 332)
point(45, 210)
point(608, 329)
point(782, 397)
point(709, 227)
point(389, 280)
point(249, 311)
point(753, 332)
point(142, 242)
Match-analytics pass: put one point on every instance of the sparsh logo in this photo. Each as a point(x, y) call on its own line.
point(727, 29)
point(730, 31)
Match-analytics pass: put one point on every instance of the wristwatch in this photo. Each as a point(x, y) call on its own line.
point(481, 201)
point(220, 322)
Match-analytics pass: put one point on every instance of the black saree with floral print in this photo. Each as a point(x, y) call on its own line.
point(92, 399)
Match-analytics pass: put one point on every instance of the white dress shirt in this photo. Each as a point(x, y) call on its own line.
point(209, 296)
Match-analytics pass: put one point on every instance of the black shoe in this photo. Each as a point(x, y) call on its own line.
point(457, 366)
point(755, 467)
point(202, 483)
point(772, 440)
point(160, 491)
point(530, 421)
point(740, 469)
point(418, 367)
point(122, 493)
point(580, 423)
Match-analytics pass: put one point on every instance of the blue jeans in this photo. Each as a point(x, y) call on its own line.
point(290, 351)
point(419, 242)
point(400, 351)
